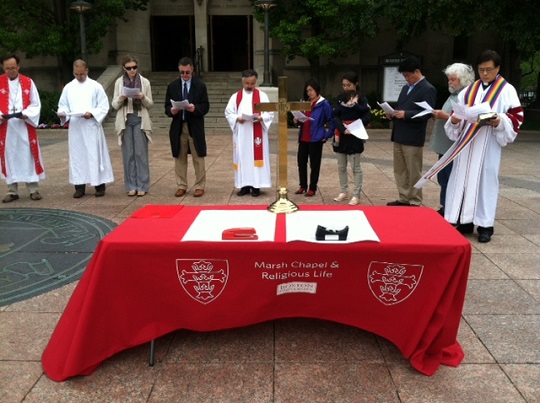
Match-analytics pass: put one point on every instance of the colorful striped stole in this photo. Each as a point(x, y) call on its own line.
point(470, 131)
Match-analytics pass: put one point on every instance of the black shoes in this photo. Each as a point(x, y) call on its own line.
point(79, 191)
point(100, 190)
point(465, 228)
point(244, 191)
point(397, 203)
point(484, 234)
point(255, 192)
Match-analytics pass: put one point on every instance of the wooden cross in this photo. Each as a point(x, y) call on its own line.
point(282, 204)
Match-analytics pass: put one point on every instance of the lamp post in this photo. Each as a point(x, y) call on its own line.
point(81, 7)
point(265, 5)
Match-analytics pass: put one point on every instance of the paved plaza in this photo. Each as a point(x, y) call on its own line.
point(296, 360)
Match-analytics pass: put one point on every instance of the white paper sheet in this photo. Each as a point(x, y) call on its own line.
point(130, 92)
point(386, 108)
point(250, 118)
point(209, 225)
point(72, 114)
point(180, 104)
point(302, 225)
point(357, 129)
point(427, 109)
point(300, 116)
point(470, 113)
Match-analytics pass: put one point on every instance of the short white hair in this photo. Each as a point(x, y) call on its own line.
point(463, 72)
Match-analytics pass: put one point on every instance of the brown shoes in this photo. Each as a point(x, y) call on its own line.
point(198, 192)
point(180, 192)
point(35, 196)
point(9, 198)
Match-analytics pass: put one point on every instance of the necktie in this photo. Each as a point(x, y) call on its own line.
point(184, 96)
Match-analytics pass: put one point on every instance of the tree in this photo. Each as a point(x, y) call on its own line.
point(50, 28)
point(515, 24)
point(320, 28)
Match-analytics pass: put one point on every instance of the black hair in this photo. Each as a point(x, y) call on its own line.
point(313, 84)
point(11, 56)
point(249, 73)
point(489, 55)
point(409, 65)
point(351, 76)
point(185, 61)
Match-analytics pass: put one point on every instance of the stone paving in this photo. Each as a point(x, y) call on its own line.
point(298, 360)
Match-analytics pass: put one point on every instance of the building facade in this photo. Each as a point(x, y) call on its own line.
point(223, 35)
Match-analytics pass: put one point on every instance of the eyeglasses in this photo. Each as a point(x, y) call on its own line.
point(185, 72)
point(487, 70)
point(129, 68)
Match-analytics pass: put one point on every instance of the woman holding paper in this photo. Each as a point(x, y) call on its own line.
point(351, 107)
point(132, 98)
point(316, 126)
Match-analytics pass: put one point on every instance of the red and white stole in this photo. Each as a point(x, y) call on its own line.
point(257, 127)
point(26, 88)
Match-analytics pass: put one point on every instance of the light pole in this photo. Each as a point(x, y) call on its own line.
point(266, 5)
point(81, 7)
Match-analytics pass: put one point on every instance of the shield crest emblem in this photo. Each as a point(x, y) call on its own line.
point(203, 280)
point(393, 283)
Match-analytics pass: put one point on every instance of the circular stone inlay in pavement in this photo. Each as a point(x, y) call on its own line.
point(42, 249)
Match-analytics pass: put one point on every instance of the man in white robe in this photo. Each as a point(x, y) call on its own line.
point(85, 105)
point(20, 155)
point(251, 152)
point(473, 186)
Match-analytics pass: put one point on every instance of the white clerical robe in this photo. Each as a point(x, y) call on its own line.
point(246, 173)
point(89, 160)
point(473, 186)
point(20, 165)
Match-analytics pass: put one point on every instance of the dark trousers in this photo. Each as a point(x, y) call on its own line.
point(313, 153)
point(442, 177)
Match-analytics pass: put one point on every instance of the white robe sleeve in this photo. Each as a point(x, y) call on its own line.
point(231, 112)
point(63, 105)
point(33, 111)
point(100, 103)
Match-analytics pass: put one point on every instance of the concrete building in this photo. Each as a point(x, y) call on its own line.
point(223, 36)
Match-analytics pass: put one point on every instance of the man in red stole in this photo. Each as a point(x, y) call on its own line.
point(20, 107)
point(251, 154)
point(473, 186)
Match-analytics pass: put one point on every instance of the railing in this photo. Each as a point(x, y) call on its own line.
point(199, 61)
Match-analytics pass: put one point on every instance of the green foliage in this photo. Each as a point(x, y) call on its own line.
point(515, 23)
point(316, 28)
point(51, 28)
point(49, 104)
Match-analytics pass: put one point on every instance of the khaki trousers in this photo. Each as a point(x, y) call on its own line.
point(408, 162)
point(180, 163)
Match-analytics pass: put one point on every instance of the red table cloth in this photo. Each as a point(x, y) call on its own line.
point(142, 283)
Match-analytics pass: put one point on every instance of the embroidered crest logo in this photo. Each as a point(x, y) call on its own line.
point(258, 141)
point(203, 280)
point(393, 283)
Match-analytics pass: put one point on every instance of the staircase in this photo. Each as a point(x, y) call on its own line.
point(220, 87)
